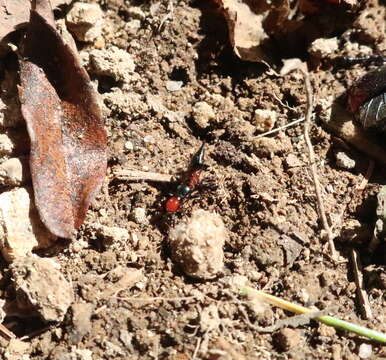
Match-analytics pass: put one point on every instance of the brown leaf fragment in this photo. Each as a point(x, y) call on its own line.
point(250, 24)
point(14, 14)
point(65, 125)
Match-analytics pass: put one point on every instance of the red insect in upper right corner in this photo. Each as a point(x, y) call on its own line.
point(367, 99)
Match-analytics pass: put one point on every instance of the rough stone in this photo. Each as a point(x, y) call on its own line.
point(85, 21)
point(267, 146)
point(81, 321)
point(21, 229)
point(202, 114)
point(41, 287)
point(112, 62)
point(197, 245)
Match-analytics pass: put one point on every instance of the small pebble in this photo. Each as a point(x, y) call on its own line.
point(202, 114)
point(343, 161)
point(85, 21)
point(365, 351)
point(133, 26)
point(129, 146)
point(287, 339)
point(139, 216)
point(209, 318)
point(197, 245)
point(148, 139)
point(264, 120)
point(292, 161)
point(322, 48)
point(111, 234)
point(6, 145)
point(172, 85)
point(14, 172)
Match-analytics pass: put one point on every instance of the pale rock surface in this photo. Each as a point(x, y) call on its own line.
point(21, 229)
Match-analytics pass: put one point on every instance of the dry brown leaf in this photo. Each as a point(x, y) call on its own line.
point(68, 140)
point(249, 24)
point(15, 14)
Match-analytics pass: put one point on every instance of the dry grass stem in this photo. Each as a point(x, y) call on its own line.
point(6, 333)
point(363, 299)
point(311, 155)
point(282, 127)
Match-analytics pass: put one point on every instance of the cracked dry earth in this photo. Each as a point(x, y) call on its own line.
point(168, 81)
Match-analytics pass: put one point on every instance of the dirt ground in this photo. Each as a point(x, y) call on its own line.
point(260, 186)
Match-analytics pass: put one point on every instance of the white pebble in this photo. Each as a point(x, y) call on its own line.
point(365, 351)
point(13, 172)
point(133, 26)
point(139, 216)
point(344, 161)
point(172, 85)
point(129, 146)
point(6, 145)
point(136, 13)
point(264, 119)
point(292, 161)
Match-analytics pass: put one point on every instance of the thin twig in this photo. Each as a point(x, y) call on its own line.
point(6, 332)
point(363, 299)
point(281, 102)
point(151, 299)
point(197, 349)
point(137, 175)
point(311, 155)
point(281, 127)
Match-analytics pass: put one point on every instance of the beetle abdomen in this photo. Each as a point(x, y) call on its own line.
point(372, 114)
point(366, 88)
